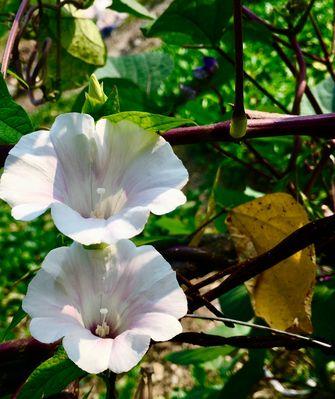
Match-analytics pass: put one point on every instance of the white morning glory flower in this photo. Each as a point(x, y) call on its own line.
point(100, 180)
point(107, 304)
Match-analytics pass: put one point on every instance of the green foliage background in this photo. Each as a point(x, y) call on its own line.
point(153, 82)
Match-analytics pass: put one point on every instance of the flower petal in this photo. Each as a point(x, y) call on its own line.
point(146, 280)
point(51, 329)
point(28, 182)
point(86, 231)
point(72, 136)
point(89, 352)
point(161, 200)
point(159, 326)
point(143, 164)
point(126, 224)
point(127, 350)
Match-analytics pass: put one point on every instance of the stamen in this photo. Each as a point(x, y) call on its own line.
point(102, 329)
point(101, 191)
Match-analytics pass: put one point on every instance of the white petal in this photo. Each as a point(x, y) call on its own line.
point(143, 164)
point(160, 200)
point(126, 224)
point(68, 283)
point(86, 231)
point(28, 183)
point(127, 350)
point(29, 212)
point(140, 281)
point(159, 326)
point(51, 329)
point(88, 352)
point(72, 136)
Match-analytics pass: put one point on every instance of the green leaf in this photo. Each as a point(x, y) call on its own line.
point(14, 121)
point(112, 105)
point(151, 122)
point(131, 97)
point(174, 226)
point(51, 377)
point(81, 39)
point(18, 316)
point(131, 7)
point(249, 375)
point(236, 304)
point(225, 331)
point(82, 49)
point(324, 93)
point(198, 355)
point(323, 305)
point(146, 70)
point(192, 22)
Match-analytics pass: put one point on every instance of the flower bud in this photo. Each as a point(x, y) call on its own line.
point(238, 126)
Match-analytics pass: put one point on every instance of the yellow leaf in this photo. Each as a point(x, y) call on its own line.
point(281, 295)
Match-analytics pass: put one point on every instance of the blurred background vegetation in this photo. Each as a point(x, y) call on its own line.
point(196, 83)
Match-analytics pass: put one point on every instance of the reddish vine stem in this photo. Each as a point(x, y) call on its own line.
point(301, 84)
point(294, 72)
point(317, 126)
point(253, 81)
point(311, 125)
point(274, 172)
point(241, 161)
point(251, 342)
point(312, 233)
point(301, 76)
point(12, 36)
point(326, 152)
point(238, 110)
point(197, 297)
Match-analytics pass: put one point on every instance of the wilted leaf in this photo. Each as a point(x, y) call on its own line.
point(281, 295)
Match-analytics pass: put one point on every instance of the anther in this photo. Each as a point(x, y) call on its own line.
point(102, 329)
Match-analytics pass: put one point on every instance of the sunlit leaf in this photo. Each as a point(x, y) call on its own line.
point(192, 22)
point(151, 122)
point(281, 295)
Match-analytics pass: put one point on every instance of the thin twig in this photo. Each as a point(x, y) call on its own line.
point(326, 152)
point(253, 81)
point(247, 165)
point(238, 110)
point(322, 45)
point(12, 35)
point(274, 172)
point(260, 327)
point(209, 221)
point(312, 233)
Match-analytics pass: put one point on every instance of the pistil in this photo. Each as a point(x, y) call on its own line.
point(102, 329)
